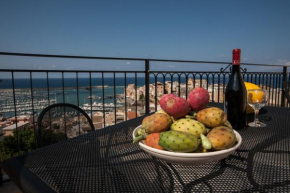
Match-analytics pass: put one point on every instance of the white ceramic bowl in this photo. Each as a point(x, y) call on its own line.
point(189, 158)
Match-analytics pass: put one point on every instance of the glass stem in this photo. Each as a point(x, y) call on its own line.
point(256, 116)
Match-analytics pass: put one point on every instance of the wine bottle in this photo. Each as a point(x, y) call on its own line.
point(236, 95)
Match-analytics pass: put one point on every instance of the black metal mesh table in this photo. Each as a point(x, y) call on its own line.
point(107, 161)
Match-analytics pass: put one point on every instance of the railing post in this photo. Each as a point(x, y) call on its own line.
point(284, 79)
point(147, 93)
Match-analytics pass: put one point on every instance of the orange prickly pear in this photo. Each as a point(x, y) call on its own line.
point(221, 137)
point(212, 117)
point(152, 140)
point(155, 123)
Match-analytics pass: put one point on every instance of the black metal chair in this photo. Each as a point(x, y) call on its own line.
point(61, 121)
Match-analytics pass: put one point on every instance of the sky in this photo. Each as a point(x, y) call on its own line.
point(199, 30)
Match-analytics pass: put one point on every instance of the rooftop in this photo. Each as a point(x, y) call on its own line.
point(13, 127)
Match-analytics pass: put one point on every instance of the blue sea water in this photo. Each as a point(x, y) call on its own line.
point(119, 81)
point(73, 95)
point(79, 96)
point(113, 86)
point(72, 82)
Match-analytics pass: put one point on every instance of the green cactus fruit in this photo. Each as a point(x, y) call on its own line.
point(212, 117)
point(221, 138)
point(190, 126)
point(178, 141)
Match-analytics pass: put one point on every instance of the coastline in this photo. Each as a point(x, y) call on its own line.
point(54, 88)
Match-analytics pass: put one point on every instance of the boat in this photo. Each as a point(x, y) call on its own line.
point(109, 97)
point(99, 106)
point(94, 97)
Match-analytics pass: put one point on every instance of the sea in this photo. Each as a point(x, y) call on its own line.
point(70, 94)
point(111, 87)
point(80, 96)
point(72, 82)
point(24, 83)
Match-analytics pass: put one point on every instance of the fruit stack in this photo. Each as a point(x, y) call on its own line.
point(187, 125)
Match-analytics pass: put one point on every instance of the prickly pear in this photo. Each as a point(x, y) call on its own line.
point(221, 137)
point(161, 111)
point(212, 117)
point(198, 98)
point(174, 106)
point(178, 141)
point(152, 140)
point(189, 126)
point(154, 123)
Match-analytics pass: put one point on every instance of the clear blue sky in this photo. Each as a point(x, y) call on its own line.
point(169, 29)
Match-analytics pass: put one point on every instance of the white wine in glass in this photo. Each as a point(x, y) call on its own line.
point(257, 98)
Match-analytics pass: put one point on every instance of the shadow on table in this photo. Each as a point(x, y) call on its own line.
point(262, 116)
point(261, 157)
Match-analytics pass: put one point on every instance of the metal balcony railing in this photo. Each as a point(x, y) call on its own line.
point(137, 92)
point(286, 90)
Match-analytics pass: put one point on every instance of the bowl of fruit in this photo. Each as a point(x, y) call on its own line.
point(186, 131)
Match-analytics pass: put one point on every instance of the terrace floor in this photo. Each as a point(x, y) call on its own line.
point(9, 187)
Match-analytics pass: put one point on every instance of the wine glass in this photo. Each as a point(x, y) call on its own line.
point(257, 98)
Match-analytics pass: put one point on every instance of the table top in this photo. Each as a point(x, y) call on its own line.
point(106, 161)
